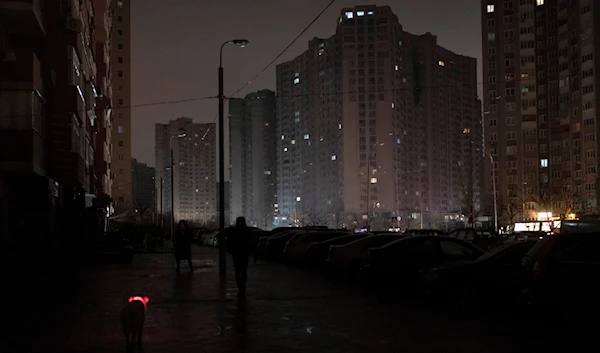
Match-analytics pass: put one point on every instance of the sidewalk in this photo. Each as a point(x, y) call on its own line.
point(287, 310)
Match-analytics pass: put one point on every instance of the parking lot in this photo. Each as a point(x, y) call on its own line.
point(287, 310)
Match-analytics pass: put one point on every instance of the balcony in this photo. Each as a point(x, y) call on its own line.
point(23, 16)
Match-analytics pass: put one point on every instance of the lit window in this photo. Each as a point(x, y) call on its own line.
point(293, 142)
point(339, 126)
point(540, 2)
point(306, 136)
point(181, 163)
point(267, 172)
point(373, 180)
point(285, 149)
point(196, 190)
point(297, 113)
point(441, 63)
point(296, 80)
point(360, 13)
point(398, 141)
point(544, 163)
point(297, 120)
point(370, 13)
point(120, 129)
point(490, 8)
point(120, 4)
point(396, 67)
point(333, 158)
point(297, 74)
point(298, 198)
point(393, 105)
point(283, 137)
point(349, 14)
point(466, 130)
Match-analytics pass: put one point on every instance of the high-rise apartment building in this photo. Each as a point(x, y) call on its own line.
point(253, 161)
point(540, 97)
point(377, 124)
point(104, 89)
point(143, 184)
point(122, 190)
point(24, 179)
point(193, 149)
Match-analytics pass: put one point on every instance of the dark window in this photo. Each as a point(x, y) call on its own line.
point(120, 143)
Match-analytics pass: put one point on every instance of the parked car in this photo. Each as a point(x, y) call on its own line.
point(297, 245)
point(354, 254)
point(414, 232)
point(563, 273)
point(521, 236)
point(480, 237)
point(401, 261)
point(276, 244)
point(317, 252)
point(212, 239)
point(494, 278)
point(201, 235)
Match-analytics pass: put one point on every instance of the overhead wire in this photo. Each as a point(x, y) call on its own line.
point(275, 59)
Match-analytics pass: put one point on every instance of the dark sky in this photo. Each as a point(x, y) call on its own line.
point(175, 47)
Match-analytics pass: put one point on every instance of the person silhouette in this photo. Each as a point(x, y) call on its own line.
point(183, 245)
point(241, 243)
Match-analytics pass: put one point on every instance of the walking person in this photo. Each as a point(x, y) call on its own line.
point(183, 245)
point(241, 243)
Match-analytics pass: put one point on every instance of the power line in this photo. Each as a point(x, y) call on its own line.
point(276, 58)
point(286, 48)
point(150, 104)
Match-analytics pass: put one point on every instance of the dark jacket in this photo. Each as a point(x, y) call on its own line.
point(241, 241)
point(183, 244)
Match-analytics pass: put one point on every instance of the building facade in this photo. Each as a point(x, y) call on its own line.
point(24, 84)
point(144, 190)
point(104, 101)
point(377, 125)
point(540, 106)
point(253, 161)
point(143, 184)
point(122, 186)
point(194, 174)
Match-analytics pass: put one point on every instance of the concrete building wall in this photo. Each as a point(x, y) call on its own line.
point(122, 191)
point(539, 101)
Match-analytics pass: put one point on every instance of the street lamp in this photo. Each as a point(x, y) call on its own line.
point(485, 150)
point(222, 254)
point(179, 135)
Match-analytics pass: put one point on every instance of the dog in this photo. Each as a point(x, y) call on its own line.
point(133, 315)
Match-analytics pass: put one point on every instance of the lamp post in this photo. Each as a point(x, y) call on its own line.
point(222, 254)
point(485, 150)
point(179, 135)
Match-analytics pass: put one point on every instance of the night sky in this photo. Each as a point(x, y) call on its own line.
point(175, 48)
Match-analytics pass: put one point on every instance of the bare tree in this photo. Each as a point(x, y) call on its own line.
point(144, 210)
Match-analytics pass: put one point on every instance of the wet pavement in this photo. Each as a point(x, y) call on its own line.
point(286, 310)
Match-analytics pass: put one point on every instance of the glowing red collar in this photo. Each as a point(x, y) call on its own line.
point(144, 300)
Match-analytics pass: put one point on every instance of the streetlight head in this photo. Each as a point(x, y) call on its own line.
point(181, 134)
point(241, 42)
